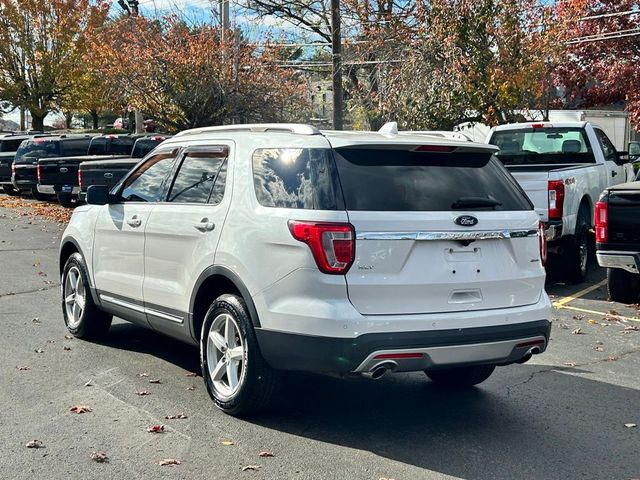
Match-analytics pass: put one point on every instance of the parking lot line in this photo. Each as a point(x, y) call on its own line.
point(579, 294)
point(608, 315)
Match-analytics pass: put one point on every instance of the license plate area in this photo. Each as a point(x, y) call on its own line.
point(67, 189)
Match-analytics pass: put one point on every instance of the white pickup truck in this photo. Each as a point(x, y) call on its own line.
point(563, 168)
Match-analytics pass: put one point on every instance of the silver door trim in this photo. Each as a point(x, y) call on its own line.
point(435, 236)
point(164, 315)
point(141, 309)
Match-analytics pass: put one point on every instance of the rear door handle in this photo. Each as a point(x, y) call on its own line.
point(134, 221)
point(205, 225)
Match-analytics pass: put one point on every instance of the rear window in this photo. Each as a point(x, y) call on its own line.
point(542, 146)
point(74, 146)
point(404, 180)
point(144, 146)
point(296, 178)
point(31, 150)
point(111, 146)
point(10, 145)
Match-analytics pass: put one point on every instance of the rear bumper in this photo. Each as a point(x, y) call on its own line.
point(54, 189)
point(629, 261)
point(553, 230)
point(500, 344)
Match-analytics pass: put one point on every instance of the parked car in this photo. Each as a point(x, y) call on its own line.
point(59, 175)
point(562, 167)
point(9, 145)
point(24, 176)
point(279, 247)
point(110, 171)
point(618, 240)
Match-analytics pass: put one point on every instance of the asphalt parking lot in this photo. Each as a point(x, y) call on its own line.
point(560, 416)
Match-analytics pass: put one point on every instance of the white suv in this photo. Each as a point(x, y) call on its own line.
point(281, 247)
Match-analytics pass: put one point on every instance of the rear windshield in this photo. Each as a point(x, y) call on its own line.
point(144, 146)
point(111, 145)
point(10, 145)
point(404, 180)
point(542, 146)
point(31, 150)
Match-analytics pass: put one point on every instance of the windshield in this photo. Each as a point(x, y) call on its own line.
point(31, 150)
point(406, 180)
point(540, 146)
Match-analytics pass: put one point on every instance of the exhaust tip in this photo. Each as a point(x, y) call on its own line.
point(380, 370)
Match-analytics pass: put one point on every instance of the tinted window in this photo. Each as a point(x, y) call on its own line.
point(403, 180)
point(198, 174)
point(111, 145)
point(296, 178)
point(74, 146)
point(147, 183)
point(31, 150)
point(144, 146)
point(9, 145)
point(539, 146)
point(610, 153)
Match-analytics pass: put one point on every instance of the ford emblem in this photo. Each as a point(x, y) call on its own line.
point(64, 170)
point(466, 221)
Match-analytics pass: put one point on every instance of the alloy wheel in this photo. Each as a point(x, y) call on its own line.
point(74, 296)
point(226, 360)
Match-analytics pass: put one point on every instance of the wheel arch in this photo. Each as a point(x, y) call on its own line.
point(212, 283)
point(586, 204)
point(68, 247)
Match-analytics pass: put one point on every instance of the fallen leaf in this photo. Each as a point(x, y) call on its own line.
point(35, 320)
point(24, 368)
point(591, 321)
point(42, 274)
point(99, 457)
point(563, 326)
point(80, 409)
point(179, 416)
point(604, 324)
point(630, 425)
point(157, 380)
point(68, 337)
point(34, 444)
point(570, 364)
point(598, 342)
point(265, 453)
point(612, 312)
point(599, 349)
point(227, 443)
point(191, 388)
point(142, 393)
point(156, 429)
point(39, 350)
point(631, 328)
point(169, 461)
point(613, 358)
point(143, 374)
point(191, 374)
point(251, 467)
point(577, 331)
point(89, 383)
point(578, 317)
point(66, 348)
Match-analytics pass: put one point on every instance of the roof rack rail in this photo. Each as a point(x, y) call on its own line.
point(298, 128)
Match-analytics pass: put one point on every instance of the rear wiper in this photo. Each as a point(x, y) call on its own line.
point(474, 202)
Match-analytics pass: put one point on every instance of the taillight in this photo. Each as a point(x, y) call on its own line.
point(80, 177)
point(13, 168)
point(38, 172)
point(332, 244)
point(556, 199)
point(435, 148)
point(543, 243)
point(602, 222)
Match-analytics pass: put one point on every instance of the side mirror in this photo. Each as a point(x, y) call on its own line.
point(634, 149)
point(98, 195)
point(622, 158)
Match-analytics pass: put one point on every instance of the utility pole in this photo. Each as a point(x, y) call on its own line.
point(336, 50)
point(224, 19)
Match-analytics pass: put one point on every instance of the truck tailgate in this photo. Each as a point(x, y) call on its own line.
point(106, 173)
point(535, 184)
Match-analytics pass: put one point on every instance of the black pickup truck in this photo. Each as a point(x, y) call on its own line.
point(618, 240)
point(59, 176)
point(110, 172)
point(9, 145)
point(24, 175)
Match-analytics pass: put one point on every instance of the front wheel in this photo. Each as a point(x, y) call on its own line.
point(236, 376)
point(461, 376)
point(623, 286)
point(81, 315)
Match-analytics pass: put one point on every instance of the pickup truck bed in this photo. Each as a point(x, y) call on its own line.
point(618, 240)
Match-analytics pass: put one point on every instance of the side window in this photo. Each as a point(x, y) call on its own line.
point(296, 178)
point(72, 147)
point(147, 183)
point(201, 177)
point(610, 153)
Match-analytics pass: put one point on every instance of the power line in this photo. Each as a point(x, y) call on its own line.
point(609, 15)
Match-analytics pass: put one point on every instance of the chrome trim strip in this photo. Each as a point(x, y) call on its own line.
point(435, 236)
point(122, 303)
point(620, 260)
point(164, 315)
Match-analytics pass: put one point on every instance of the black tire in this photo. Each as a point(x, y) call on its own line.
point(257, 381)
point(40, 196)
point(576, 261)
point(10, 190)
point(91, 323)
point(623, 286)
point(66, 200)
point(461, 376)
